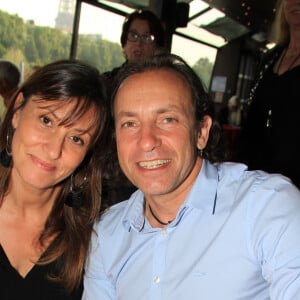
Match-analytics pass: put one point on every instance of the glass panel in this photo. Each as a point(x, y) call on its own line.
point(201, 14)
point(202, 35)
point(200, 57)
point(123, 7)
point(30, 35)
point(197, 6)
point(99, 37)
point(208, 17)
point(38, 34)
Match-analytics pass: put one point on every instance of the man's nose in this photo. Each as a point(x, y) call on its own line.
point(149, 138)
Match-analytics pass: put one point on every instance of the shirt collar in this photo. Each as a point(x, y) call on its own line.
point(201, 196)
point(203, 193)
point(134, 215)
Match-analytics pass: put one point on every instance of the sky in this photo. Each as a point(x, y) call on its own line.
point(95, 21)
point(43, 13)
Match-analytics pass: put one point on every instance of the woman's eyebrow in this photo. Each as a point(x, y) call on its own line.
point(83, 131)
point(51, 111)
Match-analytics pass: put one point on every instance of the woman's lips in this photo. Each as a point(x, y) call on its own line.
point(42, 164)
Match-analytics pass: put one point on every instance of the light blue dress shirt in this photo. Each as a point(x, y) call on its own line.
point(235, 237)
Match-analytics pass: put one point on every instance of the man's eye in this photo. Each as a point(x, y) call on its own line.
point(169, 120)
point(77, 140)
point(45, 120)
point(128, 124)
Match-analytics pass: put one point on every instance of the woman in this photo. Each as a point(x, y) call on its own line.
point(270, 136)
point(142, 35)
point(9, 80)
point(52, 147)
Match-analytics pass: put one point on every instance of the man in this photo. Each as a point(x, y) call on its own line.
point(142, 37)
point(196, 228)
point(9, 81)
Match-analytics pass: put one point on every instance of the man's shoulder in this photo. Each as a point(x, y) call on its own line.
point(254, 180)
point(257, 193)
point(114, 212)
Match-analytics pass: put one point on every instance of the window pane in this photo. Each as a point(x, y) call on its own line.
point(99, 37)
point(200, 57)
point(32, 32)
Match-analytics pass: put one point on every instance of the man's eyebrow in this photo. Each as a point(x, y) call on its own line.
point(125, 113)
point(169, 108)
point(161, 110)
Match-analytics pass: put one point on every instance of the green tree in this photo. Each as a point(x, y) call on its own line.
point(30, 50)
point(12, 31)
point(15, 55)
point(103, 54)
point(203, 67)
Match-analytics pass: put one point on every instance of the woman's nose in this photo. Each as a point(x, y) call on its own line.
point(54, 146)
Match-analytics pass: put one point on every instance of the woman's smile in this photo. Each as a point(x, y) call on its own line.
point(42, 164)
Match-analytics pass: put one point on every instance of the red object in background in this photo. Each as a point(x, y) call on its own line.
point(231, 134)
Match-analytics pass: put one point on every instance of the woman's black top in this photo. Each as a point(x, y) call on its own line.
point(35, 286)
point(271, 134)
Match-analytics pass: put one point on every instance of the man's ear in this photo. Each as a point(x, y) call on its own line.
point(16, 116)
point(203, 132)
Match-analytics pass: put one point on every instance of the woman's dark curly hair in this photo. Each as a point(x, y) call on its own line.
point(202, 103)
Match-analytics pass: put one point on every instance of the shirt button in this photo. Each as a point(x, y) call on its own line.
point(164, 232)
point(156, 279)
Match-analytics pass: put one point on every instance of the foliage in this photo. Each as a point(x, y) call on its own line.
point(30, 45)
point(103, 54)
point(203, 67)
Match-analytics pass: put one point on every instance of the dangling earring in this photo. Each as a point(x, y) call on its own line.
point(5, 154)
point(200, 151)
point(75, 195)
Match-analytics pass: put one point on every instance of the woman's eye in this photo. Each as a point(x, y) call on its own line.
point(45, 120)
point(77, 140)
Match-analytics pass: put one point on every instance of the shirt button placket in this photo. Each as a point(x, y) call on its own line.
point(158, 267)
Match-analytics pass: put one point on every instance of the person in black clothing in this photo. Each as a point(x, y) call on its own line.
point(10, 77)
point(52, 143)
point(270, 135)
point(142, 37)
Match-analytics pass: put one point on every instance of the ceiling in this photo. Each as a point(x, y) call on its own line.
point(216, 22)
point(257, 16)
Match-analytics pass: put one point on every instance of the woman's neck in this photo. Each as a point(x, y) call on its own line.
point(27, 202)
point(293, 48)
